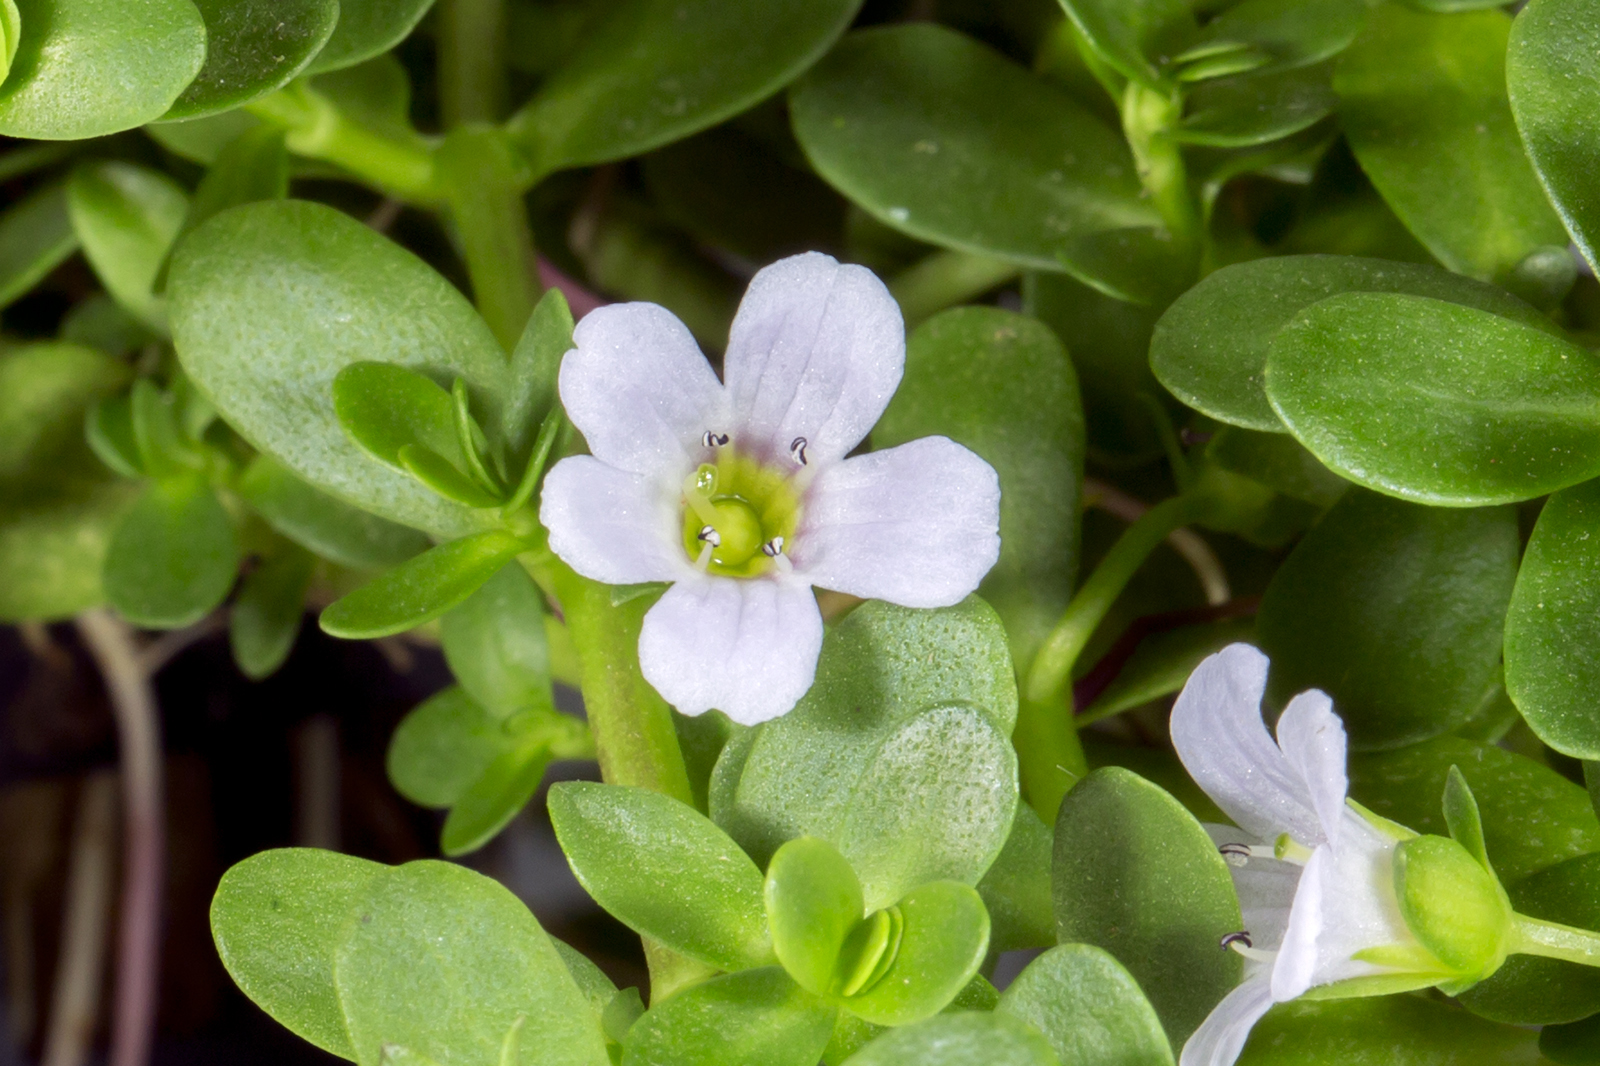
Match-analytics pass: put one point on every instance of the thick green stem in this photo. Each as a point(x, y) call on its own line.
point(945, 279)
point(482, 180)
point(1148, 116)
point(1049, 753)
point(315, 128)
point(472, 69)
point(1530, 936)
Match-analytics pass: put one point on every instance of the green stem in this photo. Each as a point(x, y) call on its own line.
point(1530, 936)
point(1049, 753)
point(315, 128)
point(1147, 117)
point(472, 69)
point(945, 279)
point(482, 180)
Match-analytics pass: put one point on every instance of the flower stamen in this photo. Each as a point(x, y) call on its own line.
point(1241, 937)
point(710, 536)
point(713, 439)
point(797, 450)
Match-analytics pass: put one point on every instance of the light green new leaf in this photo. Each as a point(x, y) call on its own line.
point(941, 943)
point(447, 962)
point(443, 746)
point(495, 644)
point(738, 1019)
point(278, 919)
point(366, 29)
point(1135, 874)
point(665, 871)
point(497, 796)
point(384, 408)
point(253, 47)
point(1137, 37)
point(1001, 384)
point(965, 1038)
point(1553, 74)
point(421, 589)
point(648, 72)
point(127, 218)
point(329, 527)
point(86, 68)
point(271, 300)
point(1553, 620)
point(1435, 402)
point(1422, 99)
point(1396, 611)
point(174, 556)
point(813, 901)
point(1089, 1007)
point(1384, 1031)
point(36, 236)
point(940, 137)
point(266, 616)
point(1294, 34)
point(535, 362)
point(1210, 348)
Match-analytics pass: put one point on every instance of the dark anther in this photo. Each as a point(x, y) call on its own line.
point(1241, 850)
point(1241, 937)
point(773, 548)
point(797, 450)
point(710, 535)
point(714, 440)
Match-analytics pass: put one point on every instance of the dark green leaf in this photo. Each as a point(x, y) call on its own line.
point(1137, 37)
point(1135, 874)
point(535, 362)
point(44, 391)
point(1255, 108)
point(1277, 461)
point(651, 71)
point(36, 236)
point(495, 644)
point(271, 300)
point(174, 556)
point(367, 28)
point(738, 1019)
point(421, 589)
point(1575, 1044)
point(442, 747)
point(665, 870)
point(1210, 348)
point(1384, 1031)
point(253, 166)
point(1293, 34)
point(496, 797)
point(1016, 889)
point(253, 47)
point(813, 902)
point(967, 1038)
point(85, 68)
point(127, 218)
point(1089, 1008)
point(1163, 662)
point(1423, 102)
point(266, 616)
point(939, 137)
point(331, 528)
point(941, 944)
point(1436, 402)
point(1396, 611)
point(202, 140)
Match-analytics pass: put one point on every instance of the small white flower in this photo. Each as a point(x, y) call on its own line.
point(1315, 875)
point(738, 491)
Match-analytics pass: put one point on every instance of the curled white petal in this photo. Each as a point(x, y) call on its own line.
point(638, 388)
point(1218, 732)
point(1312, 739)
point(1298, 955)
point(917, 525)
point(745, 647)
point(610, 525)
point(1221, 1037)
point(815, 352)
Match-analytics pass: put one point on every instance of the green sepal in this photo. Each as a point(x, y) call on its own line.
point(1452, 905)
point(1461, 815)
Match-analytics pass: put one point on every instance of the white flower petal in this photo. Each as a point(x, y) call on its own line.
point(1297, 955)
point(610, 525)
point(746, 647)
point(917, 525)
point(638, 388)
point(816, 351)
point(1218, 732)
point(1221, 1037)
point(1312, 738)
point(1266, 889)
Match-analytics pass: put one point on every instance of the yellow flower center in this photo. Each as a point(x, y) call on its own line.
point(738, 515)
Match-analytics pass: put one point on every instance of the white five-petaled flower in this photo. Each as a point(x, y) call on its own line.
point(739, 493)
point(1315, 876)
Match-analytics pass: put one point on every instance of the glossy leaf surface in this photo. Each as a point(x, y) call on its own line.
point(253, 47)
point(442, 747)
point(497, 795)
point(495, 644)
point(733, 1020)
point(1089, 1007)
point(1137, 37)
point(813, 901)
point(1384, 1031)
point(965, 1038)
point(367, 28)
point(421, 589)
point(941, 946)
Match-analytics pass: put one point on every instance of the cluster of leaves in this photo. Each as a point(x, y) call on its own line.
point(1302, 266)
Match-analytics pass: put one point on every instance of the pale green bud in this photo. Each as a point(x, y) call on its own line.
point(1454, 906)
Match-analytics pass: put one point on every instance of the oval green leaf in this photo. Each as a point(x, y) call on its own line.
point(329, 527)
point(1089, 1007)
point(443, 746)
point(495, 644)
point(965, 1038)
point(497, 796)
point(253, 47)
point(813, 901)
point(941, 945)
point(367, 28)
point(36, 236)
point(266, 616)
point(758, 1016)
point(1138, 38)
point(421, 589)
point(127, 217)
point(174, 556)
point(1391, 1030)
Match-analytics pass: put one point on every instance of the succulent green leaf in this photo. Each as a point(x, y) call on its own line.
point(535, 362)
point(443, 746)
point(1016, 889)
point(966, 1038)
point(1210, 348)
point(941, 138)
point(1256, 108)
point(438, 935)
point(1396, 611)
point(174, 556)
point(813, 902)
point(1392, 1030)
point(652, 71)
point(1436, 402)
point(421, 589)
point(366, 29)
point(758, 1016)
point(327, 526)
point(943, 935)
point(1533, 817)
point(1574, 1044)
point(86, 68)
point(252, 166)
point(384, 408)
point(1001, 384)
point(253, 47)
point(1422, 99)
point(1135, 874)
point(497, 796)
point(36, 236)
point(1089, 1007)
point(1452, 904)
point(270, 301)
point(495, 644)
point(1136, 37)
point(1294, 35)
point(664, 870)
point(266, 615)
point(127, 217)
point(1277, 461)
point(444, 477)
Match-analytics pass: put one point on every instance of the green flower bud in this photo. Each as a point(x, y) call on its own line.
point(1452, 905)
